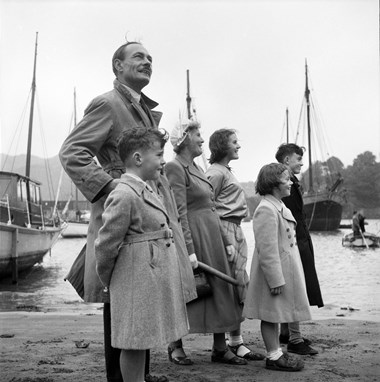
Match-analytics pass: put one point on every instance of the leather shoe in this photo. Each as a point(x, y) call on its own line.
point(285, 340)
point(226, 356)
point(153, 378)
point(285, 363)
point(182, 359)
point(301, 348)
point(248, 353)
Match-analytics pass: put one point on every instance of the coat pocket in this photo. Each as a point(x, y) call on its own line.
point(154, 254)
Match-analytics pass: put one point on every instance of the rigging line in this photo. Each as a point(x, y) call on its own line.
point(17, 134)
point(44, 147)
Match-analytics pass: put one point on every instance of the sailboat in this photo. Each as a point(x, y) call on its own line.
point(77, 226)
point(323, 204)
point(24, 234)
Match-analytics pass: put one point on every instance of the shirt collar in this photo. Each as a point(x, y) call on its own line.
point(136, 96)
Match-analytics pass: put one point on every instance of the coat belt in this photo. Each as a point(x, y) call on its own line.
point(155, 235)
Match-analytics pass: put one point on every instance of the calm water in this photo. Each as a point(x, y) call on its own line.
point(349, 279)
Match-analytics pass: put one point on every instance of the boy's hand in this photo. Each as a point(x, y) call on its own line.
point(276, 291)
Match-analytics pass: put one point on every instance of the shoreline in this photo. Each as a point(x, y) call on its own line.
point(39, 346)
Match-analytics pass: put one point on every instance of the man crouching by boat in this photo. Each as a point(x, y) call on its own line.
point(106, 117)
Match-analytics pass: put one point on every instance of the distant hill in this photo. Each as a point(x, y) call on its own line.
point(42, 171)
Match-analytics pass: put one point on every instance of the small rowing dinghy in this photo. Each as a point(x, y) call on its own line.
point(370, 240)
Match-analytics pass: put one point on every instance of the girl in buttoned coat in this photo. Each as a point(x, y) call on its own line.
point(276, 291)
point(136, 259)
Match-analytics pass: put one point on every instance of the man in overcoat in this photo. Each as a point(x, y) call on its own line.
point(291, 155)
point(96, 136)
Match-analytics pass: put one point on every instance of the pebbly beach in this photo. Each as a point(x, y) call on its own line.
point(57, 347)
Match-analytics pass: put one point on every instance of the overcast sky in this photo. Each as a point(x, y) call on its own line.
point(246, 62)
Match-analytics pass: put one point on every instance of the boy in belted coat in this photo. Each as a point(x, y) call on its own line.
point(136, 257)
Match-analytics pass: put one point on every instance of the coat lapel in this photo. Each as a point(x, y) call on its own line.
point(281, 208)
point(147, 193)
point(143, 110)
point(193, 169)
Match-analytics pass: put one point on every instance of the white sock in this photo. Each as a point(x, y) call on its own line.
point(274, 355)
point(235, 340)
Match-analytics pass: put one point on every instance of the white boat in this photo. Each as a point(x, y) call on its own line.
point(75, 229)
point(369, 240)
point(24, 234)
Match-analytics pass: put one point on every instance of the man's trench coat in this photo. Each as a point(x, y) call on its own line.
point(96, 136)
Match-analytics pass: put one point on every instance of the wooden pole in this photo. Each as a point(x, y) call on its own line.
point(365, 241)
point(14, 257)
point(217, 273)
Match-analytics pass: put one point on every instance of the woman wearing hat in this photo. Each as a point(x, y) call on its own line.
point(221, 312)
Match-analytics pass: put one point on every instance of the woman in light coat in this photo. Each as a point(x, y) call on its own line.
point(276, 291)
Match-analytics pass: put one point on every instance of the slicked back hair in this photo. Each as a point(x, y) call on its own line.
point(120, 54)
point(269, 178)
point(287, 149)
point(218, 144)
point(139, 138)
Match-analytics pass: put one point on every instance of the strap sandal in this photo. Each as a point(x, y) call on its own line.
point(180, 357)
point(243, 352)
point(226, 356)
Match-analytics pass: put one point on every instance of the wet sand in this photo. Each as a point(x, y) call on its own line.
point(42, 347)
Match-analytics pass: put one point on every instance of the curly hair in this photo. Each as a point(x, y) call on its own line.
point(141, 138)
point(218, 144)
point(193, 125)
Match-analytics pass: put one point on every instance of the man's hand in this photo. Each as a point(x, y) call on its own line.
point(193, 261)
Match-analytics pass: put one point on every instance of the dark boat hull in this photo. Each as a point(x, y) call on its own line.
point(322, 214)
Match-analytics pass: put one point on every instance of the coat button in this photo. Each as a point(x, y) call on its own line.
point(212, 208)
point(291, 245)
point(162, 224)
point(168, 244)
point(288, 229)
point(289, 236)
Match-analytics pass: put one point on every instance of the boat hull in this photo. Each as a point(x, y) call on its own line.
point(322, 214)
point(371, 240)
point(75, 229)
point(32, 245)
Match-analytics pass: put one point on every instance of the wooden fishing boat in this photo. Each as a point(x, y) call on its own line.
point(323, 203)
point(369, 240)
point(25, 235)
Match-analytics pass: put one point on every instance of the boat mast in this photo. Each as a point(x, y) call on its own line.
point(307, 98)
point(30, 131)
point(188, 98)
point(287, 125)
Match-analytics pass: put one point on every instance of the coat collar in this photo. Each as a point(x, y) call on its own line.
point(143, 190)
point(280, 206)
point(193, 169)
point(156, 115)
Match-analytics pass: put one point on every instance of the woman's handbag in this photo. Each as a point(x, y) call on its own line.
point(201, 283)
